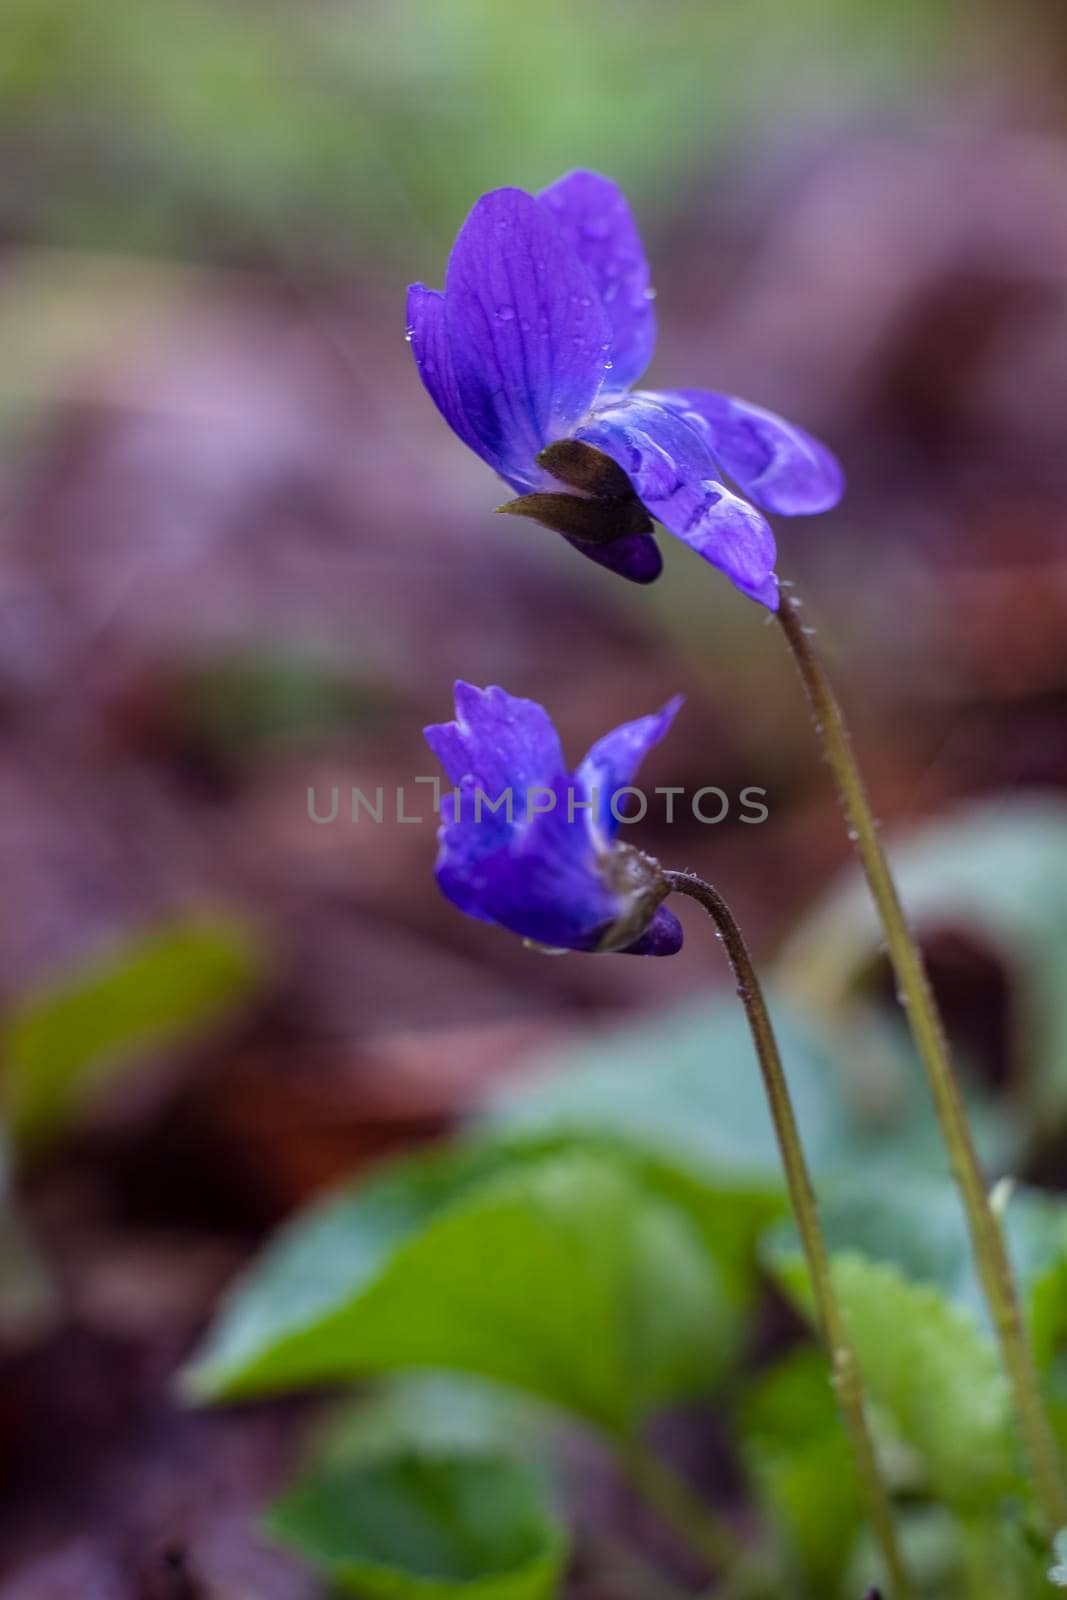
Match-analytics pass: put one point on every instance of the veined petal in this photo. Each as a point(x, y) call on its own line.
point(429, 345)
point(597, 223)
point(528, 336)
point(613, 761)
point(780, 466)
point(468, 834)
point(500, 741)
point(676, 478)
point(546, 885)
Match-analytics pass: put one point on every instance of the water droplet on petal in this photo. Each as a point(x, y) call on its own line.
point(409, 334)
point(505, 313)
point(650, 294)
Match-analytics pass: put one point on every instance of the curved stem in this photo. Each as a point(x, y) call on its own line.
point(916, 996)
point(845, 1372)
point(679, 1506)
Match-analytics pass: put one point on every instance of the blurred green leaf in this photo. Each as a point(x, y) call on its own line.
point(64, 1045)
point(566, 1278)
point(440, 1413)
point(799, 1457)
point(996, 872)
point(685, 1085)
point(332, 129)
point(243, 700)
point(682, 1092)
point(1002, 1559)
point(1046, 1305)
point(932, 1371)
point(418, 1492)
point(918, 1227)
point(321, 1262)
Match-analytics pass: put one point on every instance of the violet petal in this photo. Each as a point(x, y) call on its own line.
point(613, 761)
point(778, 465)
point(528, 335)
point(676, 478)
point(598, 224)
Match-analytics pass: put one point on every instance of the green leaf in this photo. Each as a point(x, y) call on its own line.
point(919, 1228)
point(686, 1087)
point(566, 1278)
point(418, 1493)
point(1046, 1307)
point(994, 871)
point(66, 1044)
point(425, 1528)
point(325, 1259)
point(799, 1458)
point(930, 1369)
point(440, 1413)
point(1002, 1559)
point(683, 1094)
point(231, 702)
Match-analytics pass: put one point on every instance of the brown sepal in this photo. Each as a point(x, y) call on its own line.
point(582, 467)
point(591, 521)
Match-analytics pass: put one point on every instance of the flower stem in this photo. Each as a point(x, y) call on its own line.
point(845, 1372)
point(916, 996)
point(679, 1506)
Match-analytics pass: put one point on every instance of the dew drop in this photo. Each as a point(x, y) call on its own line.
point(409, 334)
point(649, 294)
point(505, 313)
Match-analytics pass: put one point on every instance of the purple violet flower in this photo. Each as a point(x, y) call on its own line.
point(529, 354)
point(532, 847)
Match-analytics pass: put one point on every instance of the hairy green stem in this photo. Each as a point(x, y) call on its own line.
point(844, 1368)
point(916, 996)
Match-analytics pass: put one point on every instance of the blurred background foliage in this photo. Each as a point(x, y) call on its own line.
point(241, 556)
point(346, 131)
